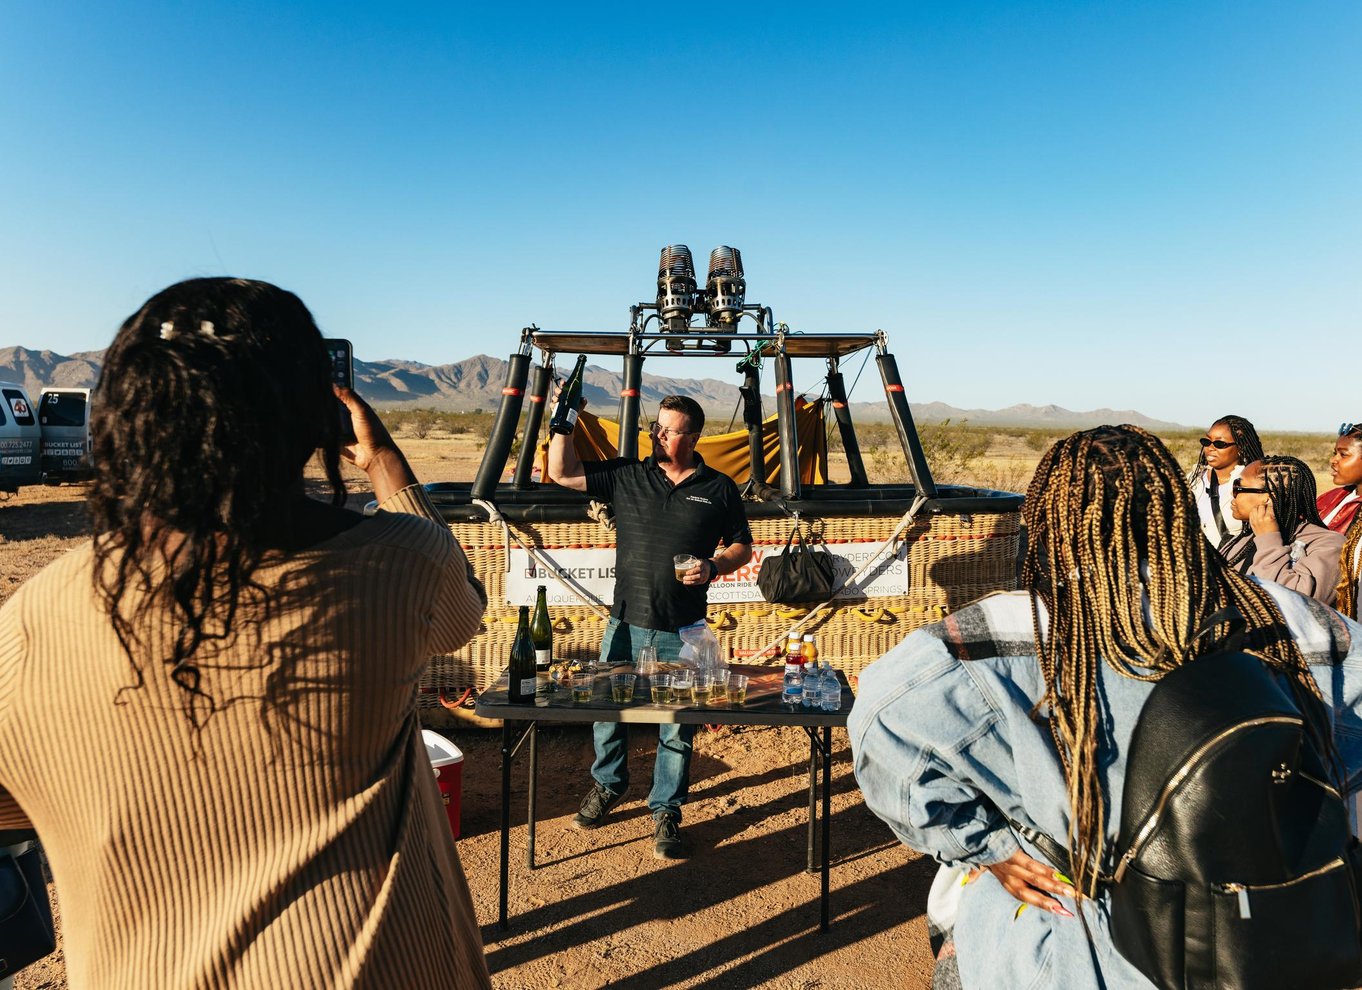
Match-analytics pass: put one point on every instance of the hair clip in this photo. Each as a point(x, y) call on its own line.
point(167, 330)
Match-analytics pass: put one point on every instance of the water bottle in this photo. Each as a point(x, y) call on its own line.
point(813, 676)
point(830, 695)
point(792, 690)
point(813, 686)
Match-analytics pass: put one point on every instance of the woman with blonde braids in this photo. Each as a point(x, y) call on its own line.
point(1013, 716)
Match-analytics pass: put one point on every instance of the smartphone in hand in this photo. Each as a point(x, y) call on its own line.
point(342, 362)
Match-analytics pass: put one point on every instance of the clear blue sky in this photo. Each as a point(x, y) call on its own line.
point(1154, 206)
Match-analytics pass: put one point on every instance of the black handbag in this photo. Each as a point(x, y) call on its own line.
point(801, 575)
point(26, 933)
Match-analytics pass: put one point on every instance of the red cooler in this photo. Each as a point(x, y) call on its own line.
point(447, 761)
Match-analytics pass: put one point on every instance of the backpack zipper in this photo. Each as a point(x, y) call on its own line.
point(1242, 889)
point(1152, 822)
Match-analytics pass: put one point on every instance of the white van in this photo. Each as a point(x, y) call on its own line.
point(20, 437)
point(64, 417)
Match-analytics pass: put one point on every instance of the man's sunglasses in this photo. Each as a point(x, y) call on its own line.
point(663, 432)
point(1237, 489)
point(1217, 444)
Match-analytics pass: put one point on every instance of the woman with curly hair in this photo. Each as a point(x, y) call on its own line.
point(1284, 540)
point(237, 663)
point(1228, 445)
point(1014, 716)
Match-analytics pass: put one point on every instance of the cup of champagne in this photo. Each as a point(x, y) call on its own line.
point(737, 688)
point(683, 562)
point(622, 688)
point(662, 689)
point(583, 683)
point(703, 687)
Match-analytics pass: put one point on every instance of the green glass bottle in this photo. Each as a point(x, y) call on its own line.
point(541, 631)
point(520, 671)
point(564, 418)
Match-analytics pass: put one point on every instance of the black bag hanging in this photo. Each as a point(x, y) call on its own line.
point(26, 933)
point(1237, 866)
point(801, 575)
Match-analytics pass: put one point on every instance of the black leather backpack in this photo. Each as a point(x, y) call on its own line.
point(1237, 868)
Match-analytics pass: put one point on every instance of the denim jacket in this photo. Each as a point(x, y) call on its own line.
point(946, 751)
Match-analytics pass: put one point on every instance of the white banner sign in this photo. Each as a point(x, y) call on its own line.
point(593, 569)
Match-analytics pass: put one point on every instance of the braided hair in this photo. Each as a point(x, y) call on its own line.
point(1246, 443)
point(212, 398)
point(1348, 572)
point(1109, 520)
point(1290, 485)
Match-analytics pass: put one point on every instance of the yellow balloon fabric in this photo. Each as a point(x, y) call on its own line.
point(597, 439)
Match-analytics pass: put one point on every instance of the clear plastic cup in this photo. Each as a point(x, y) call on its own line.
point(704, 686)
point(718, 692)
point(737, 689)
point(583, 683)
point(661, 688)
point(622, 688)
point(682, 563)
point(683, 681)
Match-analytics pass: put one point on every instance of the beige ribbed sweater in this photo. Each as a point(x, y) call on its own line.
point(298, 840)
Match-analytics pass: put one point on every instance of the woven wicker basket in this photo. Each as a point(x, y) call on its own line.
point(952, 559)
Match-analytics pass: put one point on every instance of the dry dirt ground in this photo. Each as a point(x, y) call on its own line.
point(599, 910)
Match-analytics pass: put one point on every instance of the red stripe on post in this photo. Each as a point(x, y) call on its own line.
point(512, 391)
point(839, 405)
point(536, 398)
point(893, 388)
point(629, 393)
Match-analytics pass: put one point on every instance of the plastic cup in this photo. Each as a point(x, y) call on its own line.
point(683, 681)
point(662, 689)
point(682, 563)
point(704, 686)
point(737, 688)
point(622, 688)
point(583, 683)
point(718, 692)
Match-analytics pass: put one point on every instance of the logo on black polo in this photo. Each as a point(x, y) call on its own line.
point(698, 498)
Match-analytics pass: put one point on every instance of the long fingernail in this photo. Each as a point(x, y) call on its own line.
point(1063, 879)
point(1020, 909)
point(1062, 911)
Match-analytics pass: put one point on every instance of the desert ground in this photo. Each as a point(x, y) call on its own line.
point(599, 910)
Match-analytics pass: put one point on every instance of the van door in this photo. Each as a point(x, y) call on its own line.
point(64, 415)
point(20, 462)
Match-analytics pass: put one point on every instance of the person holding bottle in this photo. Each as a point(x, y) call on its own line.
point(667, 504)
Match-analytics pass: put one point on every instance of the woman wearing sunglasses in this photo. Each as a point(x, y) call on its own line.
point(1285, 541)
point(1338, 506)
point(1228, 445)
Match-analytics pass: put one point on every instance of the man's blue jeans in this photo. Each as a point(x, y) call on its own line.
point(671, 770)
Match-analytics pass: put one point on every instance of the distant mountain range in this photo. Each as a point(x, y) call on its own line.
point(476, 382)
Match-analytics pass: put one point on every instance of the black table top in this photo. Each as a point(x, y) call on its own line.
point(762, 707)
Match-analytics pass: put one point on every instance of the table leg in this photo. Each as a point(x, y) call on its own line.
point(809, 866)
point(534, 778)
point(827, 816)
point(506, 756)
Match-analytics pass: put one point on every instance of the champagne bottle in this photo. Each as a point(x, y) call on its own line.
point(520, 671)
point(541, 631)
point(569, 400)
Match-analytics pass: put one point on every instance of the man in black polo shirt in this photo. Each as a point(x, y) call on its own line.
point(669, 504)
